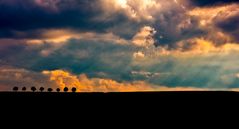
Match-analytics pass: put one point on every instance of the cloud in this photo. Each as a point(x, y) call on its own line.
point(48, 14)
point(176, 44)
point(50, 4)
point(219, 21)
point(195, 62)
point(63, 35)
point(173, 20)
point(84, 84)
point(212, 2)
point(135, 9)
point(10, 77)
point(139, 55)
point(97, 16)
point(144, 38)
point(198, 62)
point(201, 46)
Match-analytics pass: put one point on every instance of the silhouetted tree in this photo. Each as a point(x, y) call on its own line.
point(58, 89)
point(50, 89)
point(15, 89)
point(66, 89)
point(33, 89)
point(24, 89)
point(42, 89)
point(73, 89)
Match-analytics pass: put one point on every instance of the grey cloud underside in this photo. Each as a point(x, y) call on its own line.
point(167, 26)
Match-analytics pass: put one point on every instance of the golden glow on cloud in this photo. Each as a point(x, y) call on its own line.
point(60, 36)
point(84, 84)
point(59, 79)
point(202, 46)
point(55, 36)
point(139, 55)
point(190, 48)
point(208, 14)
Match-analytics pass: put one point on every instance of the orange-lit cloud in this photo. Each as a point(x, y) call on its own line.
point(208, 15)
point(63, 35)
point(84, 84)
point(10, 77)
point(55, 36)
point(139, 55)
point(59, 37)
point(202, 46)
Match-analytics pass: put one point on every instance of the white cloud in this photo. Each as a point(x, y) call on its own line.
point(134, 9)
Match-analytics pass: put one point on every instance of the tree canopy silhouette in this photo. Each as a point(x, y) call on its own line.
point(73, 89)
point(58, 89)
point(15, 89)
point(42, 89)
point(50, 90)
point(33, 89)
point(24, 89)
point(66, 89)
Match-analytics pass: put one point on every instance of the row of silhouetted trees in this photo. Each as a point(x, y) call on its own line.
point(42, 89)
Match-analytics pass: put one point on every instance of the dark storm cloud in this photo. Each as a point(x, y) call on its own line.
point(230, 26)
point(212, 2)
point(26, 15)
point(173, 26)
point(27, 19)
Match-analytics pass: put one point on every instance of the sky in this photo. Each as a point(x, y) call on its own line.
point(120, 45)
